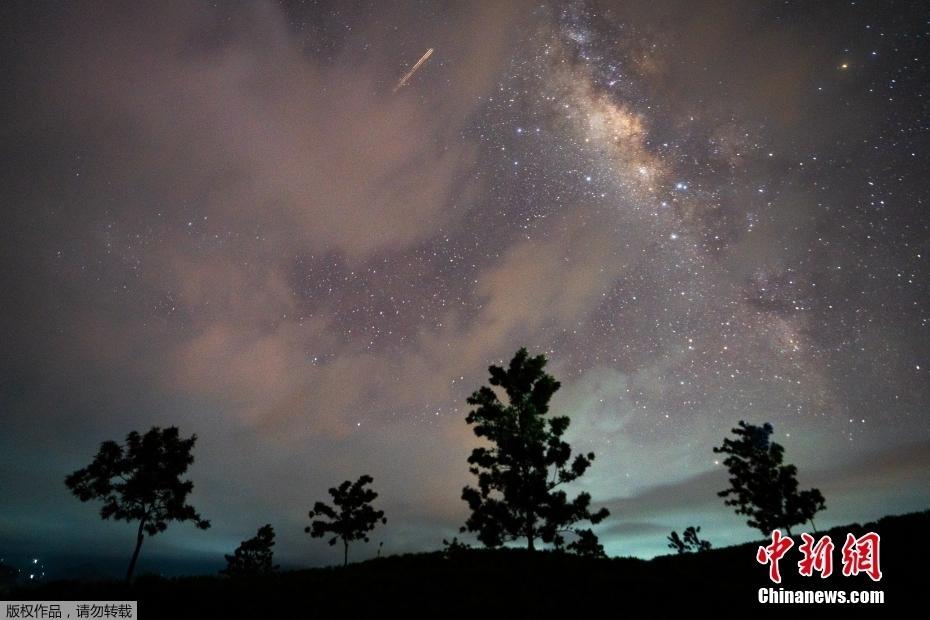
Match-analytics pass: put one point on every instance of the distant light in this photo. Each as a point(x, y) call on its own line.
point(673, 236)
point(35, 560)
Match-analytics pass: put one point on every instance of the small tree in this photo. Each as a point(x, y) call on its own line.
point(691, 542)
point(587, 544)
point(454, 548)
point(761, 487)
point(351, 519)
point(141, 481)
point(518, 475)
point(253, 556)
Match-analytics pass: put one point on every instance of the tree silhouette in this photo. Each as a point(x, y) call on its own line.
point(141, 481)
point(805, 505)
point(761, 487)
point(518, 475)
point(253, 556)
point(691, 541)
point(587, 544)
point(675, 542)
point(351, 519)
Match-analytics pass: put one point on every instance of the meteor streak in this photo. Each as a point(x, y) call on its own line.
point(409, 74)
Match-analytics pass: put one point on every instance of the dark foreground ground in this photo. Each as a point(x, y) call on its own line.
point(719, 583)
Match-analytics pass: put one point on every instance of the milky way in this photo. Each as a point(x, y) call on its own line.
point(223, 218)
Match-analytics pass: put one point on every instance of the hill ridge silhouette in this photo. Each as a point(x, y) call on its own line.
point(502, 581)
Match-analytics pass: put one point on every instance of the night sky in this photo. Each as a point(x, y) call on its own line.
point(221, 217)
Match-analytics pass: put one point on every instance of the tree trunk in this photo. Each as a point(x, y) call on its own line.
point(345, 552)
point(530, 535)
point(135, 554)
point(813, 525)
point(788, 529)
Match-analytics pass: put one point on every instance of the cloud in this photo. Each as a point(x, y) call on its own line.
point(250, 129)
point(245, 154)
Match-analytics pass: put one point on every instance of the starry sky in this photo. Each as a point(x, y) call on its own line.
point(220, 216)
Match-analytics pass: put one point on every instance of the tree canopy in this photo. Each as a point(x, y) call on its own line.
point(527, 460)
point(690, 542)
point(254, 556)
point(141, 481)
point(351, 518)
point(761, 486)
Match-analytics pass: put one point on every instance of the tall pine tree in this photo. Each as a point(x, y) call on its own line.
point(520, 472)
point(140, 481)
point(761, 486)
